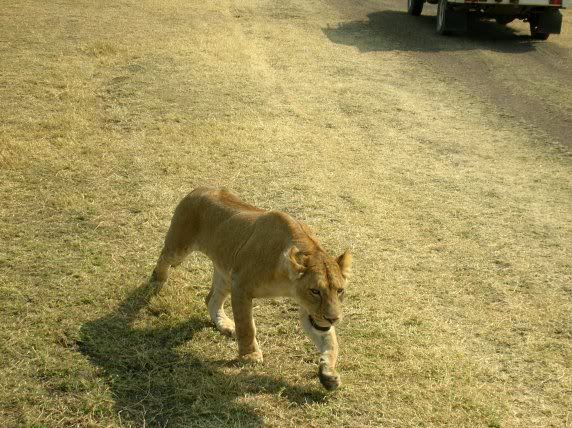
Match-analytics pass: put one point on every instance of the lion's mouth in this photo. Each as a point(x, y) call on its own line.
point(316, 326)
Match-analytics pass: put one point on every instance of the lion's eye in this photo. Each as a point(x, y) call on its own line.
point(341, 291)
point(315, 291)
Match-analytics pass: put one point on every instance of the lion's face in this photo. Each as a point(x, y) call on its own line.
point(320, 286)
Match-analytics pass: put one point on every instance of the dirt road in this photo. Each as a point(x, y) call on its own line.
point(522, 80)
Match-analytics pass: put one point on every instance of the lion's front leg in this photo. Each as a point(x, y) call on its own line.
point(245, 328)
point(215, 303)
point(327, 344)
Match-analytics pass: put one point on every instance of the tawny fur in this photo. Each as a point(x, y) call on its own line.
point(259, 253)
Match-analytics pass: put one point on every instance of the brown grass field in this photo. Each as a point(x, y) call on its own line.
point(443, 163)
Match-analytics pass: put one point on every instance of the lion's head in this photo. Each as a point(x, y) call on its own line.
point(320, 284)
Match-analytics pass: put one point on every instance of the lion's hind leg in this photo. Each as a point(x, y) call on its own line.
point(179, 241)
point(215, 303)
point(167, 259)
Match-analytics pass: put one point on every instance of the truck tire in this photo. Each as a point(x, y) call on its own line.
point(442, 15)
point(451, 20)
point(414, 7)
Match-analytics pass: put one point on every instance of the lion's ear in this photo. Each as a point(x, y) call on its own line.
point(345, 263)
point(296, 263)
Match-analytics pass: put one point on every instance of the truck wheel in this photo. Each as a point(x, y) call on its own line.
point(442, 21)
point(414, 7)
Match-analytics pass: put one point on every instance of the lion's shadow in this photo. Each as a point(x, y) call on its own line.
point(152, 385)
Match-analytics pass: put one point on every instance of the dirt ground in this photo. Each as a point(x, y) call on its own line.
point(443, 163)
point(524, 81)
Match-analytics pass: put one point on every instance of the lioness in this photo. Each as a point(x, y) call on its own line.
point(259, 253)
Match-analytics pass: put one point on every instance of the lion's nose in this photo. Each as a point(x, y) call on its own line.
point(332, 320)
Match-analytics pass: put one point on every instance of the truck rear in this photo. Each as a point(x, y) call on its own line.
point(543, 16)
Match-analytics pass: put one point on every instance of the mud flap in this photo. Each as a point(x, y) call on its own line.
point(549, 21)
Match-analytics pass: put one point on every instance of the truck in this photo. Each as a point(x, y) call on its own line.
point(543, 16)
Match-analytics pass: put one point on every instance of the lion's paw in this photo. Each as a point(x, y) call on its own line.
point(226, 327)
point(158, 278)
point(329, 379)
point(253, 357)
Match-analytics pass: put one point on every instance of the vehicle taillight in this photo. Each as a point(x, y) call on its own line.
point(556, 2)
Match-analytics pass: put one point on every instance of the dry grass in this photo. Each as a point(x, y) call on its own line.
point(459, 312)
